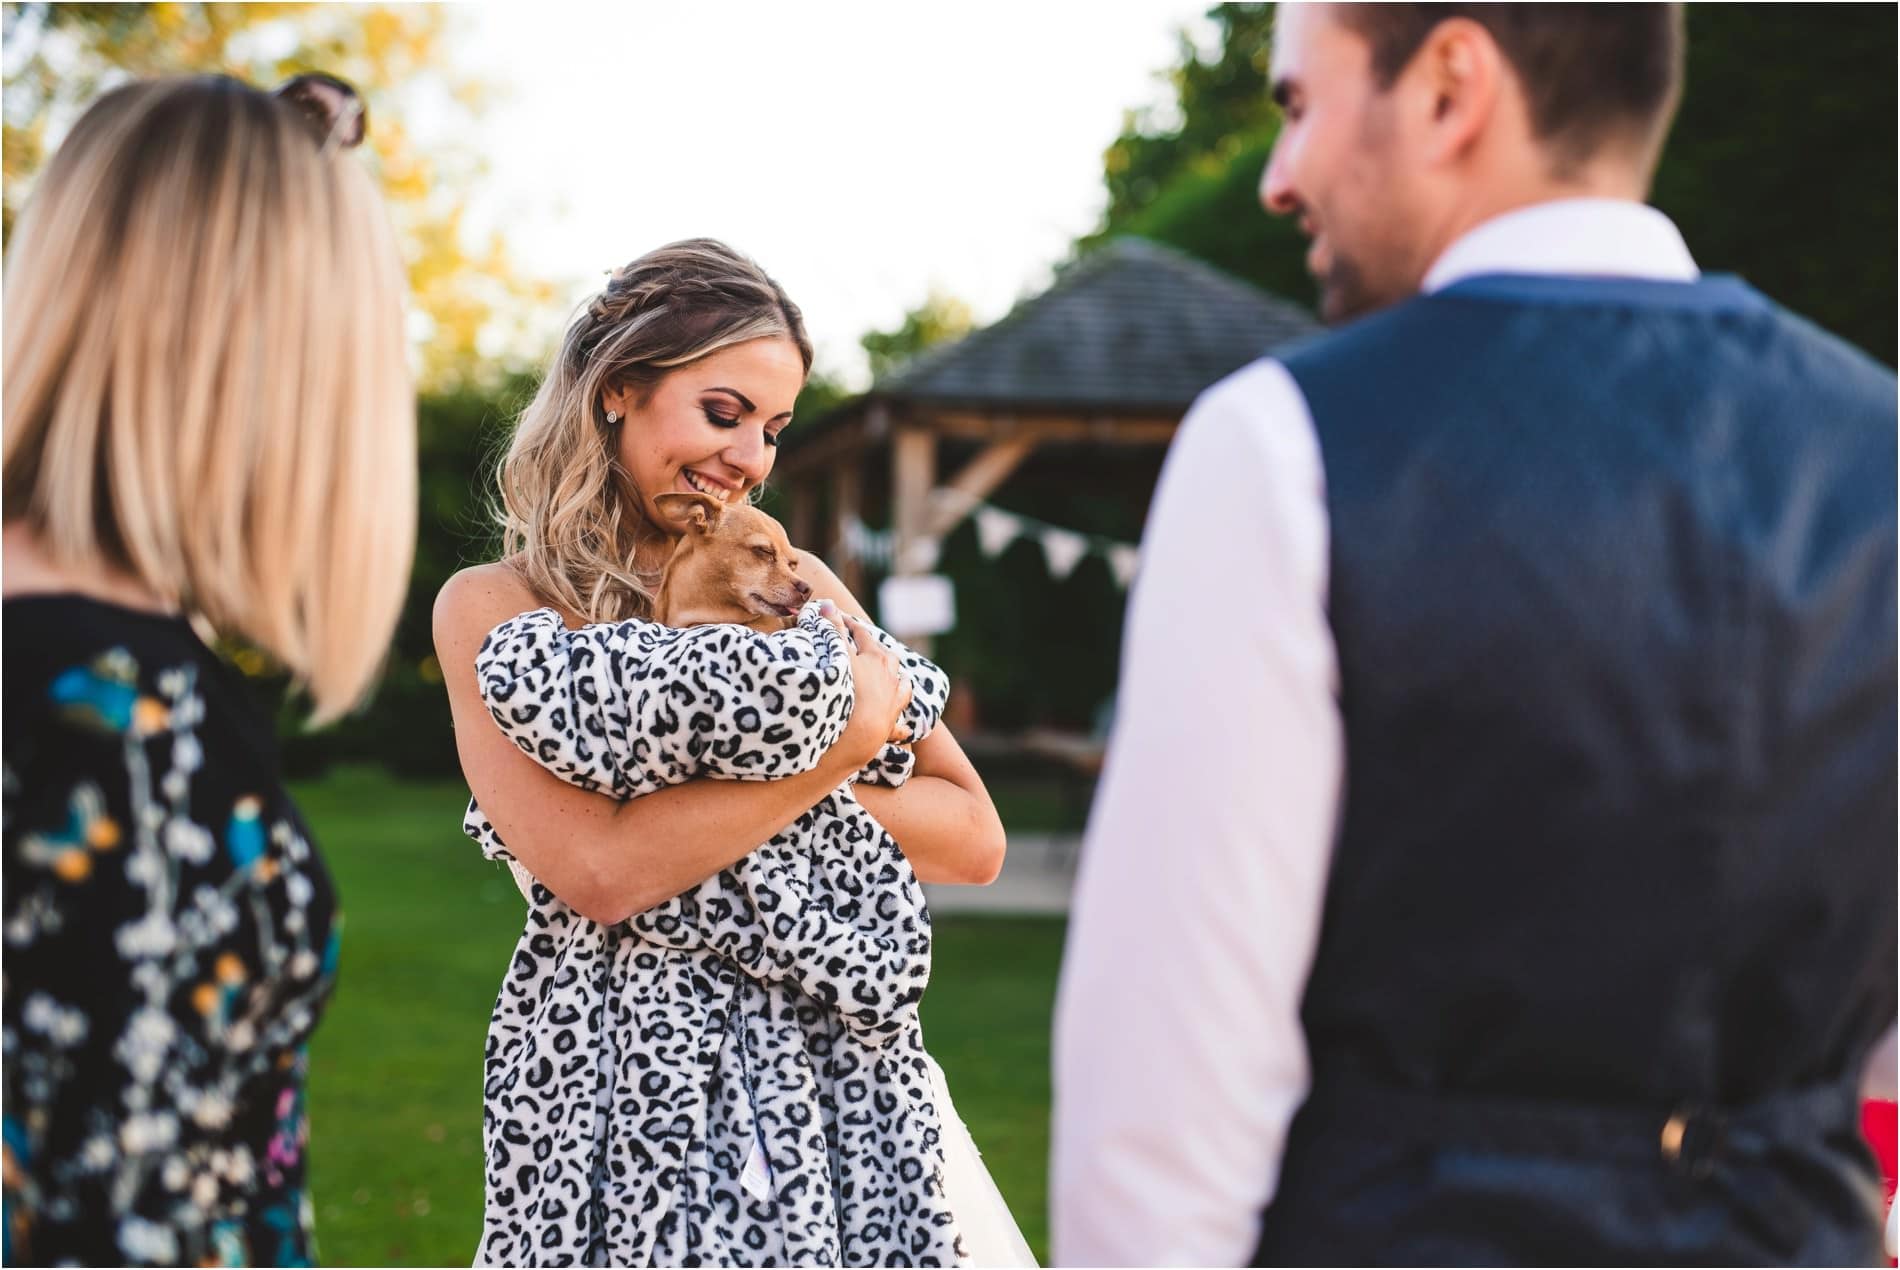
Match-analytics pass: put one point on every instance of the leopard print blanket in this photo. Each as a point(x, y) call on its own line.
point(736, 1076)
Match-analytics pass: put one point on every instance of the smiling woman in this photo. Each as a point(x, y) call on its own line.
point(669, 393)
point(613, 425)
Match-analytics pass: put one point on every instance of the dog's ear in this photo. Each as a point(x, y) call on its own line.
point(700, 513)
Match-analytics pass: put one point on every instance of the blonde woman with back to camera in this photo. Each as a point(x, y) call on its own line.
point(209, 427)
point(689, 1063)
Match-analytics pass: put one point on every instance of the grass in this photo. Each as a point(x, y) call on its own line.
point(395, 1083)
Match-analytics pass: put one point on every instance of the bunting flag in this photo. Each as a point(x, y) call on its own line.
point(873, 546)
point(996, 530)
point(1064, 550)
point(922, 556)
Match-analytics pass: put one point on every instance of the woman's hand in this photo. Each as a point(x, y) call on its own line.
point(880, 686)
point(942, 817)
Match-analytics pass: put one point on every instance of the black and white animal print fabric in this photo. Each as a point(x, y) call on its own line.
point(736, 1076)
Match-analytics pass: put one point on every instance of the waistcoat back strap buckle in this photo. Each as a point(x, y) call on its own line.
point(1692, 1139)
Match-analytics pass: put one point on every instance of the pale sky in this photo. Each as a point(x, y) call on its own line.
point(861, 152)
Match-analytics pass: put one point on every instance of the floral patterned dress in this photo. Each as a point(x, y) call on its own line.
point(170, 941)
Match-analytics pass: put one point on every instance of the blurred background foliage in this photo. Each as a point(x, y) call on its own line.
point(471, 307)
point(940, 319)
point(1782, 168)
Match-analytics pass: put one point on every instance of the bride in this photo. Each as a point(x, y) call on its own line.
point(670, 1071)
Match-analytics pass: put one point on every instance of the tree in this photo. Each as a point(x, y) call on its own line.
point(1188, 173)
point(940, 319)
point(1783, 162)
point(1218, 109)
point(1782, 165)
point(471, 302)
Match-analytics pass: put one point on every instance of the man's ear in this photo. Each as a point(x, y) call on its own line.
point(700, 513)
point(1464, 76)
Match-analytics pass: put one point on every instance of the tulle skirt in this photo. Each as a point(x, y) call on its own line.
point(990, 1235)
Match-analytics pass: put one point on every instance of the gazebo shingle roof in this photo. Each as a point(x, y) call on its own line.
point(1134, 327)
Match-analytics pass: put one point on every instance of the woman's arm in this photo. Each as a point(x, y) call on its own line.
point(608, 859)
point(942, 817)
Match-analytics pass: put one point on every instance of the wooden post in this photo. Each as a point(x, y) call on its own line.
point(913, 476)
point(847, 505)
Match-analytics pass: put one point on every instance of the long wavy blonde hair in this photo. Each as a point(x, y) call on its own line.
point(571, 518)
point(206, 372)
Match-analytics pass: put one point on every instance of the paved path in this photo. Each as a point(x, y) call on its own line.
point(1037, 876)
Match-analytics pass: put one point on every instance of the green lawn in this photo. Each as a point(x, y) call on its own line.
point(395, 1084)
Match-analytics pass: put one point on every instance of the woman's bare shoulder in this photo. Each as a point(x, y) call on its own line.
point(477, 599)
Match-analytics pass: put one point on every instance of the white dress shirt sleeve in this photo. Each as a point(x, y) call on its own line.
point(1179, 1057)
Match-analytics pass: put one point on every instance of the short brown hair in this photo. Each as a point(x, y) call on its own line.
point(1592, 73)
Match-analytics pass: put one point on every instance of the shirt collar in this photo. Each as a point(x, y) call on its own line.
point(1575, 236)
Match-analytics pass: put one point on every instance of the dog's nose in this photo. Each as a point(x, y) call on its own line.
point(803, 588)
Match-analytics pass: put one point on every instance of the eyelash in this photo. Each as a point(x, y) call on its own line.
point(718, 420)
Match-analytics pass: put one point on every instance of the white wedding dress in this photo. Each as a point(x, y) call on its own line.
point(606, 707)
point(991, 1237)
point(990, 1234)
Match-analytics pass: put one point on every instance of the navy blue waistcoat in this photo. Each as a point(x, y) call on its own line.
point(1611, 921)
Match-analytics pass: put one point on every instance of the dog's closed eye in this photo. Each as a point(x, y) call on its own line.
point(765, 553)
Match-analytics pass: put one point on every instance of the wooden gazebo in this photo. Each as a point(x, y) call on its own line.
point(1111, 355)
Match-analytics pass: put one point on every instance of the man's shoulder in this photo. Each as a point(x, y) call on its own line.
point(1262, 382)
point(1272, 385)
point(1432, 329)
point(1256, 401)
point(1834, 358)
point(1251, 426)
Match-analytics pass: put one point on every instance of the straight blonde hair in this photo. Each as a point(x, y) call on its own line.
point(206, 374)
point(570, 517)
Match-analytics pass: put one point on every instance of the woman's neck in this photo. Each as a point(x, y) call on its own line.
point(27, 567)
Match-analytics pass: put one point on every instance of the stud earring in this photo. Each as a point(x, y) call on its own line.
point(612, 417)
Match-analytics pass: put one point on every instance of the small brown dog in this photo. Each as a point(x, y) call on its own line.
point(733, 564)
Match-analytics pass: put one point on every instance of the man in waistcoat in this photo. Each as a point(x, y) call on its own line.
point(1496, 856)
